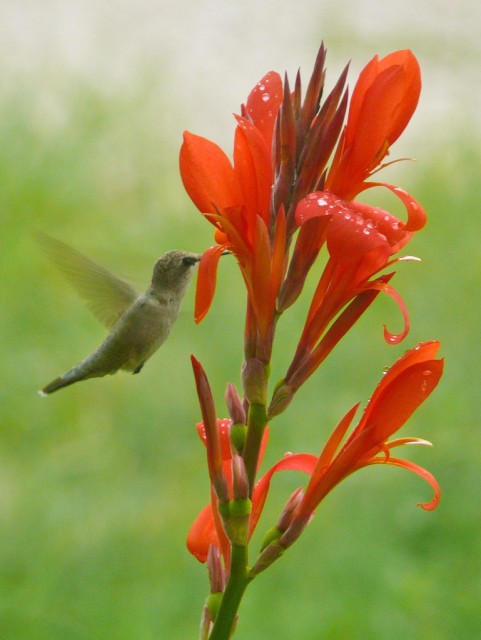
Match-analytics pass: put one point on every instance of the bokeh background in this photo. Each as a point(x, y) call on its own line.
point(99, 484)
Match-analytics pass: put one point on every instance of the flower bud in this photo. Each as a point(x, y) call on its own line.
point(281, 399)
point(285, 519)
point(216, 571)
point(234, 405)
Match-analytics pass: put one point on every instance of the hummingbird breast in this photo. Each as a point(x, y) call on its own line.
point(138, 333)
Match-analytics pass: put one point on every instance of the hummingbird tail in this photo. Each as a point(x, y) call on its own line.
point(60, 382)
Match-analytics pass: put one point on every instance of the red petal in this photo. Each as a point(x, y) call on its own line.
point(384, 99)
point(391, 408)
point(207, 174)
point(263, 104)
point(383, 102)
point(206, 281)
point(259, 177)
point(392, 338)
point(421, 472)
point(304, 462)
point(416, 213)
point(423, 352)
point(202, 534)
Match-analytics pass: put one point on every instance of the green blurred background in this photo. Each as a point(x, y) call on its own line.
point(100, 483)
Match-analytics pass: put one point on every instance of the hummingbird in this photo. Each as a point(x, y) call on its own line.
point(138, 324)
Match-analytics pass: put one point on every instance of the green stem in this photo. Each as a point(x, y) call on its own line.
point(257, 420)
point(237, 584)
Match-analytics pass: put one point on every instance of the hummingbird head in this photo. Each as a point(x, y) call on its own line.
point(174, 270)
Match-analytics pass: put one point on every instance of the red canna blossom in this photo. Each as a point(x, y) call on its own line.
point(361, 239)
point(236, 199)
point(401, 391)
point(403, 388)
point(207, 529)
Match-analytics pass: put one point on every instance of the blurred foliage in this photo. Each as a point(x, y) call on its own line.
point(99, 483)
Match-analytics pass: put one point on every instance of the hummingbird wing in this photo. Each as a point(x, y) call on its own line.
point(106, 295)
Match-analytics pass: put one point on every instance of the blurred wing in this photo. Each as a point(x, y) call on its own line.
point(106, 295)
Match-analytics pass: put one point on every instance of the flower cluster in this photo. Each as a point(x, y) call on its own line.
point(287, 196)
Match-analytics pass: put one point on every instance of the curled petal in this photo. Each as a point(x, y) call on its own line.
point(206, 281)
point(393, 338)
point(422, 473)
point(416, 213)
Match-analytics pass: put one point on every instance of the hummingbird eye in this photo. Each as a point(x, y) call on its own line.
point(189, 261)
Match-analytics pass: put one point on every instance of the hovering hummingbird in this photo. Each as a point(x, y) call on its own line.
point(138, 324)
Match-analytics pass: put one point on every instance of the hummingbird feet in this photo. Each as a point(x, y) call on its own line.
point(138, 369)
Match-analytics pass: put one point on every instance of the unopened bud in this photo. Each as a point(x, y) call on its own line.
point(216, 570)
point(270, 554)
point(281, 399)
point(285, 519)
point(234, 405)
point(205, 622)
point(240, 479)
point(294, 530)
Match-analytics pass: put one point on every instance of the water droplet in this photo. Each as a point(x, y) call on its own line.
point(427, 373)
point(321, 202)
point(265, 97)
point(347, 216)
point(261, 86)
point(366, 231)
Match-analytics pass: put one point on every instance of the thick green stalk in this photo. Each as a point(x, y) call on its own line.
point(256, 423)
point(236, 585)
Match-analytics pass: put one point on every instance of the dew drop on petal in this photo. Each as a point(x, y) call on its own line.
point(265, 97)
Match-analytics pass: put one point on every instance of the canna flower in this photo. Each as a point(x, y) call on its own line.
point(235, 198)
point(281, 147)
point(404, 387)
point(361, 239)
